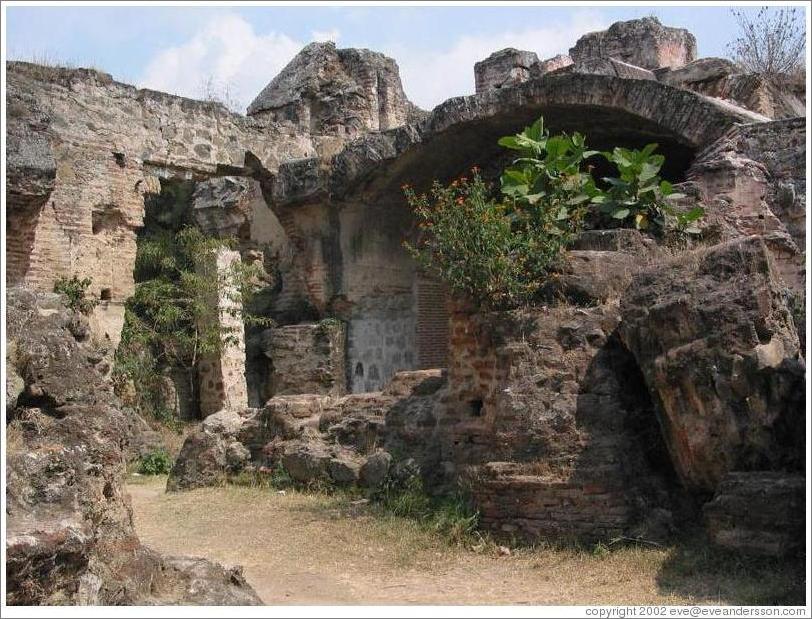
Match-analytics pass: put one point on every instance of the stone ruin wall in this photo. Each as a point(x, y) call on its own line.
point(109, 144)
point(546, 415)
point(536, 407)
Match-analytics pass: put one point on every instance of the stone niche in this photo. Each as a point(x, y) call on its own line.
point(307, 358)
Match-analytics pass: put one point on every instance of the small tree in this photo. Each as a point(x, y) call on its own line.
point(75, 290)
point(172, 319)
point(772, 43)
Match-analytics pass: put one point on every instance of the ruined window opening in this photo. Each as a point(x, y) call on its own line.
point(359, 369)
point(165, 213)
point(119, 157)
point(475, 408)
point(106, 294)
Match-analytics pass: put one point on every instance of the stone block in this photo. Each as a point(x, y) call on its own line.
point(504, 68)
point(641, 42)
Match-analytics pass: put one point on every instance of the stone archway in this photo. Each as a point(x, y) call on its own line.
point(357, 197)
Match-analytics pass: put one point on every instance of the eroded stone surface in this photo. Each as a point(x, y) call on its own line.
point(642, 42)
point(759, 512)
point(719, 351)
point(329, 91)
point(70, 537)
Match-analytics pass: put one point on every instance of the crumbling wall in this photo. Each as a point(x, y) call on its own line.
point(752, 181)
point(642, 42)
point(538, 422)
point(306, 358)
point(109, 141)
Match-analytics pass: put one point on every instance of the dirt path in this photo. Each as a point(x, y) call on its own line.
point(314, 549)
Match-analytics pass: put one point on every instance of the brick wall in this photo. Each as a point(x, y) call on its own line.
point(432, 323)
point(540, 420)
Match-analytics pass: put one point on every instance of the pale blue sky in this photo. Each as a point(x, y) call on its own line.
point(177, 48)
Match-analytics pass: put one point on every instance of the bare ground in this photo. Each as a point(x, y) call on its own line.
point(299, 548)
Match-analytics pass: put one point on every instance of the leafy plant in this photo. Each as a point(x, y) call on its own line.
point(497, 250)
point(471, 241)
point(545, 183)
point(173, 317)
point(75, 290)
point(640, 196)
point(157, 462)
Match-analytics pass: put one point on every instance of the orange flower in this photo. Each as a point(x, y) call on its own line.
point(460, 200)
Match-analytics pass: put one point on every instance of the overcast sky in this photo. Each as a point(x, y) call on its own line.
point(175, 49)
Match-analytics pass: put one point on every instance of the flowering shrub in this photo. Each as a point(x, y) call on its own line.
point(470, 240)
point(497, 250)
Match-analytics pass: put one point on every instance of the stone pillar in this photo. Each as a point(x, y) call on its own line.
point(221, 376)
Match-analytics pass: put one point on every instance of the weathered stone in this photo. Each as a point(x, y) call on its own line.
point(697, 71)
point(716, 343)
point(307, 358)
point(30, 164)
point(504, 68)
point(343, 471)
point(589, 277)
point(196, 582)
point(221, 375)
point(237, 456)
point(70, 537)
point(740, 179)
point(548, 65)
point(618, 239)
point(223, 206)
point(642, 42)
point(375, 469)
point(306, 462)
point(717, 77)
point(759, 512)
point(343, 92)
point(201, 462)
point(226, 422)
point(611, 67)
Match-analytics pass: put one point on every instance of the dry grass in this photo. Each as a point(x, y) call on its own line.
point(320, 549)
point(15, 439)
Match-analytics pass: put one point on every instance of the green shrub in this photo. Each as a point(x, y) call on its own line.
point(497, 250)
point(470, 241)
point(171, 321)
point(158, 462)
point(641, 197)
point(76, 291)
